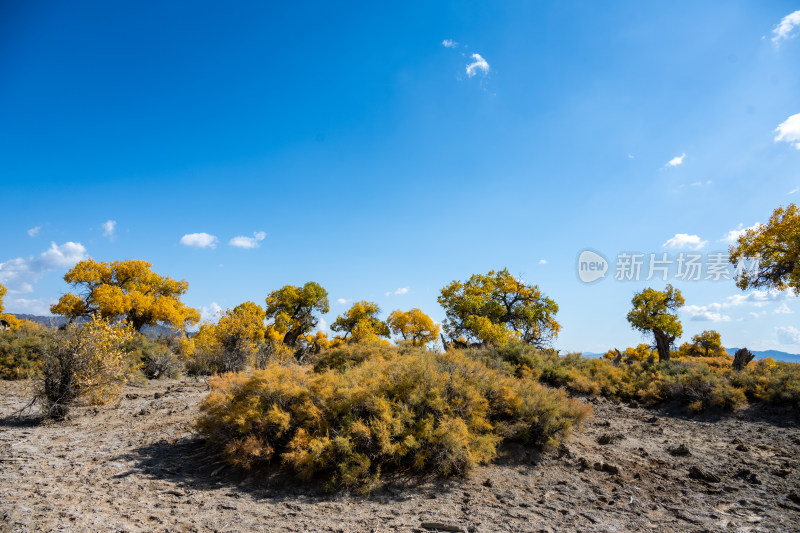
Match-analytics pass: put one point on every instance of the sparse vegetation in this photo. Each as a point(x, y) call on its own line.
point(85, 361)
point(414, 410)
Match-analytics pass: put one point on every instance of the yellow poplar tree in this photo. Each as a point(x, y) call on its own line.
point(125, 289)
point(413, 326)
point(777, 245)
point(361, 322)
point(495, 308)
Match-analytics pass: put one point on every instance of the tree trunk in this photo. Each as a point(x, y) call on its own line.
point(663, 342)
point(742, 357)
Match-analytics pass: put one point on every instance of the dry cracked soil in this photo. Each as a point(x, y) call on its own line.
point(139, 466)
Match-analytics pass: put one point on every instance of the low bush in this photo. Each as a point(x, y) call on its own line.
point(699, 383)
point(22, 349)
point(351, 423)
point(84, 362)
point(154, 358)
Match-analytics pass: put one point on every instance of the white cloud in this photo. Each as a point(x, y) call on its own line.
point(704, 313)
point(794, 190)
point(20, 274)
point(786, 26)
point(684, 240)
point(783, 310)
point(758, 298)
point(322, 325)
point(248, 242)
point(341, 301)
point(542, 261)
point(478, 64)
point(401, 290)
point(789, 130)
point(449, 43)
point(630, 156)
point(23, 306)
point(210, 312)
point(788, 335)
point(66, 255)
point(733, 235)
point(108, 229)
point(33, 232)
point(199, 240)
point(675, 161)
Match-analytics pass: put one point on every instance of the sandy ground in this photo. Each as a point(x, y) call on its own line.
point(138, 466)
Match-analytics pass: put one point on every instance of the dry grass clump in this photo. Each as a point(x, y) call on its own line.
point(416, 411)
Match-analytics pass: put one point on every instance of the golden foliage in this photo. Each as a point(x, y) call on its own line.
point(413, 326)
point(126, 289)
point(415, 410)
point(777, 246)
point(361, 323)
point(87, 362)
point(496, 308)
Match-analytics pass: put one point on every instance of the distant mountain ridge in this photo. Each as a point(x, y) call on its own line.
point(775, 354)
point(759, 354)
point(56, 322)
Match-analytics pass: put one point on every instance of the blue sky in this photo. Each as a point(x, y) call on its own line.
point(386, 150)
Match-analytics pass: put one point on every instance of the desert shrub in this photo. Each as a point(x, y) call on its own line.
point(415, 411)
point(22, 349)
point(153, 357)
point(771, 381)
point(83, 362)
point(348, 355)
point(699, 383)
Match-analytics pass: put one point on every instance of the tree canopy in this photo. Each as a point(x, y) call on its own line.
point(705, 344)
point(777, 245)
point(656, 312)
point(294, 310)
point(497, 307)
point(413, 326)
point(361, 322)
point(125, 289)
point(2, 293)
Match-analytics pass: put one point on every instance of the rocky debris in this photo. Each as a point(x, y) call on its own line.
point(448, 526)
point(113, 471)
point(608, 438)
point(605, 467)
point(680, 450)
point(742, 448)
point(696, 472)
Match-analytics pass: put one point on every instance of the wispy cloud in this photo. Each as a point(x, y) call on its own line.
point(785, 28)
point(788, 335)
point(542, 261)
point(108, 229)
point(33, 232)
point(733, 235)
point(449, 43)
point(199, 240)
point(702, 313)
point(676, 161)
point(478, 64)
point(29, 306)
point(210, 312)
point(789, 130)
point(398, 292)
point(684, 240)
point(20, 274)
point(248, 242)
point(783, 309)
